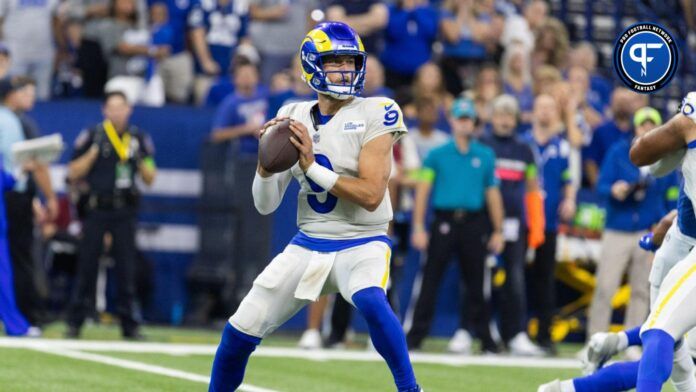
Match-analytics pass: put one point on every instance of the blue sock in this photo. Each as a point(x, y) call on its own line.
point(617, 377)
point(387, 335)
point(656, 362)
point(231, 359)
point(633, 336)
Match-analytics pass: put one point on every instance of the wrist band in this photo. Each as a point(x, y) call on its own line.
point(322, 176)
point(149, 163)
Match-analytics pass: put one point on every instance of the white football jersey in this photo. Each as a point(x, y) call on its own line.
point(337, 146)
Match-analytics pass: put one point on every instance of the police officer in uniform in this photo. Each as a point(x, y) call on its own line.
point(106, 160)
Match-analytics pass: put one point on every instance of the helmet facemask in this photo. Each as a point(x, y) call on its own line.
point(352, 80)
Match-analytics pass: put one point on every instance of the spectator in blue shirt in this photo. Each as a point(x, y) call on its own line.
point(218, 27)
point(275, 28)
point(619, 127)
point(367, 17)
point(299, 91)
point(551, 152)
point(590, 105)
point(429, 84)
point(161, 30)
point(177, 69)
point(635, 200)
point(424, 132)
point(487, 86)
point(136, 56)
point(472, 30)
point(374, 79)
point(584, 55)
point(161, 38)
point(225, 86)
point(125, 47)
point(515, 70)
point(222, 87)
point(409, 36)
point(242, 113)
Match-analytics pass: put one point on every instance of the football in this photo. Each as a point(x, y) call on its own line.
point(276, 152)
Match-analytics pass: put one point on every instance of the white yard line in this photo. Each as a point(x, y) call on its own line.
point(118, 346)
point(46, 347)
point(123, 363)
point(439, 359)
point(279, 352)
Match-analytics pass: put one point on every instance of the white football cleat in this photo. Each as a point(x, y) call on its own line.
point(601, 347)
point(310, 340)
point(370, 347)
point(521, 345)
point(460, 342)
point(33, 332)
point(553, 386)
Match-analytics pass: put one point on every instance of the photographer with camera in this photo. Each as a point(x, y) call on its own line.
point(635, 201)
point(106, 159)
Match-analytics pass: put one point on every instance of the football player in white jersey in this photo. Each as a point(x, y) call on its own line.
point(345, 144)
point(673, 312)
point(673, 276)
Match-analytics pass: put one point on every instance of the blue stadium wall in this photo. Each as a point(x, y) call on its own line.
point(167, 225)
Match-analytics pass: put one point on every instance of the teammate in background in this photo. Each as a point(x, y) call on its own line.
point(602, 346)
point(672, 279)
point(345, 146)
point(672, 314)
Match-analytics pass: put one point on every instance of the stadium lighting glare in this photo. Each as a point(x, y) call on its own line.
point(317, 15)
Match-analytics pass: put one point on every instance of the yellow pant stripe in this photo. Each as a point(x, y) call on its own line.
point(670, 294)
point(385, 277)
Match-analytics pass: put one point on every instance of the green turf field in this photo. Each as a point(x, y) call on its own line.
point(51, 364)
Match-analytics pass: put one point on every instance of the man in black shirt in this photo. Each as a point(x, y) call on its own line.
point(522, 201)
point(107, 158)
point(18, 95)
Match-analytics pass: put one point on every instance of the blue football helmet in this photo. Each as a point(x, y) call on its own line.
point(335, 39)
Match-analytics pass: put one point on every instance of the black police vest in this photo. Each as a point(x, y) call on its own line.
point(103, 175)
